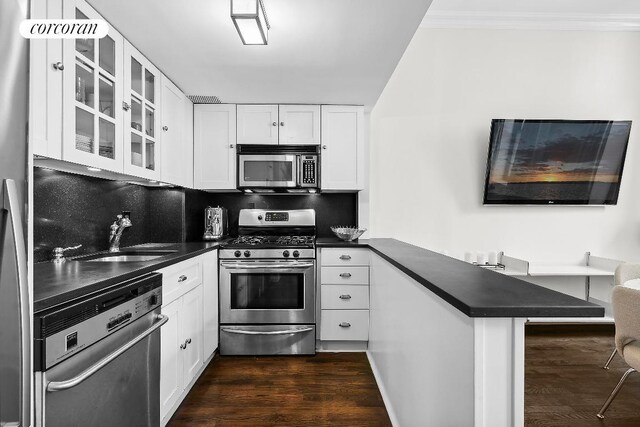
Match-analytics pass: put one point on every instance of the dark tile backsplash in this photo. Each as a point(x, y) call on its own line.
point(331, 208)
point(74, 209)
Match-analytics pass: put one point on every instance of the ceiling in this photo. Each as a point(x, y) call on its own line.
point(320, 51)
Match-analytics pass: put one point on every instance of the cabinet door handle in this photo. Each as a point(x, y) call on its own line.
point(345, 275)
point(183, 346)
point(345, 325)
point(345, 296)
point(230, 145)
point(165, 128)
point(274, 124)
point(182, 278)
point(281, 123)
point(345, 257)
point(187, 342)
point(125, 106)
point(58, 66)
point(324, 147)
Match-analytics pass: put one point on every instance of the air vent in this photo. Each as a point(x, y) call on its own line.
point(204, 99)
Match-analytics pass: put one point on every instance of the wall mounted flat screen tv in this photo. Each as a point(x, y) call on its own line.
point(571, 162)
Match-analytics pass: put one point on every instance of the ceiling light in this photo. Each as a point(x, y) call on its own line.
point(94, 169)
point(250, 19)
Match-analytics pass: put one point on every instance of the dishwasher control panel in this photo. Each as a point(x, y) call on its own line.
point(63, 332)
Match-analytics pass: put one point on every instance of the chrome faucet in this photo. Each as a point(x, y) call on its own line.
point(117, 228)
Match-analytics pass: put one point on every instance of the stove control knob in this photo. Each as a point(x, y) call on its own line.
point(247, 254)
point(259, 217)
point(296, 254)
point(285, 254)
point(237, 254)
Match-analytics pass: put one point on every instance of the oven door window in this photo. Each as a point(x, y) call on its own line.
point(268, 171)
point(267, 291)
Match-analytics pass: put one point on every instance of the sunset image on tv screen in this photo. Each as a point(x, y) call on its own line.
point(547, 161)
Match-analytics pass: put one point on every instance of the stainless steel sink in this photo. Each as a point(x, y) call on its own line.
point(126, 256)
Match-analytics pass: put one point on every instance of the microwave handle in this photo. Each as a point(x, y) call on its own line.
point(299, 171)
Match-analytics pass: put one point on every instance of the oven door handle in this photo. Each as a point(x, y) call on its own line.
point(64, 385)
point(287, 332)
point(264, 266)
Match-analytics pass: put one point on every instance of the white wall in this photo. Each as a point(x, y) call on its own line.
point(430, 131)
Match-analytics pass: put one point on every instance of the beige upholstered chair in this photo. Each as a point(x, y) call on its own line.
point(623, 273)
point(626, 313)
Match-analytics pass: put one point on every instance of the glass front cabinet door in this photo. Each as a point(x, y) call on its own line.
point(92, 96)
point(141, 118)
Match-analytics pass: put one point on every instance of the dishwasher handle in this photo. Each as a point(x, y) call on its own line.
point(64, 385)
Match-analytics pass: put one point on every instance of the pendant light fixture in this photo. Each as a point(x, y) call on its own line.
point(250, 19)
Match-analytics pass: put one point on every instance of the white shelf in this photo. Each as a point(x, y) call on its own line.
point(567, 270)
point(602, 320)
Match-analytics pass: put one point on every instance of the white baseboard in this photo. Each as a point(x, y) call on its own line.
point(341, 346)
point(383, 392)
point(186, 391)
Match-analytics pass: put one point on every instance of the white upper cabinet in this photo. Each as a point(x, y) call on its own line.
point(92, 95)
point(45, 85)
point(214, 134)
point(279, 124)
point(299, 124)
point(141, 117)
point(176, 136)
point(258, 124)
point(342, 157)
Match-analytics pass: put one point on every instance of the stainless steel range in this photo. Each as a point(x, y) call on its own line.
point(267, 284)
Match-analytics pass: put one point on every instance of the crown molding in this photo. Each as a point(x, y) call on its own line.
point(531, 21)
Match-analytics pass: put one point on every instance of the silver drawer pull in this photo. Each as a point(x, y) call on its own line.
point(345, 275)
point(345, 257)
point(345, 296)
point(345, 325)
point(182, 278)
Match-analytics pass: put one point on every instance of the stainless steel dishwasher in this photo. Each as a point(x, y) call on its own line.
point(97, 360)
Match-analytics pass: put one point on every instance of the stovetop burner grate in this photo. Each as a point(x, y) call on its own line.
point(283, 241)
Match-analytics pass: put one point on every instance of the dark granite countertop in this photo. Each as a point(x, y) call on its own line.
point(60, 283)
point(473, 290)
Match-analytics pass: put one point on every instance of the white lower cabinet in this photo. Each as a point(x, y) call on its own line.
point(344, 294)
point(181, 356)
point(190, 337)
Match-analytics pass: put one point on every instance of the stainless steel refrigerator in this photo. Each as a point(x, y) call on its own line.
point(15, 317)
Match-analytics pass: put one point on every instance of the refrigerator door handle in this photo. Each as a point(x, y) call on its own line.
point(10, 203)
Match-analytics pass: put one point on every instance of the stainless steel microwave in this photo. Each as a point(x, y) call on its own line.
point(278, 171)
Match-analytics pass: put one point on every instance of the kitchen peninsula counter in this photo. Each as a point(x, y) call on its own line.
point(446, 338)
point(475, 291)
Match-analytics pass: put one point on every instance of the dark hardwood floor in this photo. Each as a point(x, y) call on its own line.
point(328, 389)
point(565, 384)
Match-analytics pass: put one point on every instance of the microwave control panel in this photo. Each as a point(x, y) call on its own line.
point(309, 170)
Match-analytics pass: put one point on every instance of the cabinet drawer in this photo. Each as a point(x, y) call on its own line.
point(344, 275)
point(344, 297)
point(180, 278)
point(355, 325)
point(345, 256)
